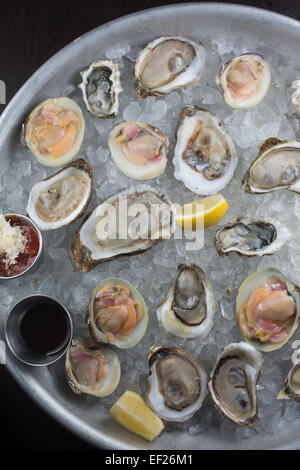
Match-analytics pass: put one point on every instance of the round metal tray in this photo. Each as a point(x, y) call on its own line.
point(195, 20)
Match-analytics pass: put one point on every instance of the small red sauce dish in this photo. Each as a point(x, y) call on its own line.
point(26, 259)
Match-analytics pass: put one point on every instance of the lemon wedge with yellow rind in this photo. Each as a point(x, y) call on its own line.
point(202, 213)
point(132, 412)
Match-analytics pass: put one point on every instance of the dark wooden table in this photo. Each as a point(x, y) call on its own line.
point(31, 31)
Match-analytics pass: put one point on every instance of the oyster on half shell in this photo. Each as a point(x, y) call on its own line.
point(277, 166)
point(63, 197)
point(101, 87)
point(177, 383)
point(233, 380)
point(251, 236)
point(167, 63)
point(291, 387)
point(117, 314)
point(204, 156)
point(267, 309)
point(92, 368)
point(188, 309)
point(107, 233)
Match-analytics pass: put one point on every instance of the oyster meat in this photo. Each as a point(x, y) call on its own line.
point(267, 309)
point(251, 236)
point(54, 131)
point(117, 313)
point(167, 63)
point(63, 197)
point(204, 156)
point(277, 166)
point(244, 80)
point(101, 87)
point(291, 387)
point(233, 380)
point(91, 368)
point(177, 383)
point(188, 309)
point(126, 223)
point(139, 150)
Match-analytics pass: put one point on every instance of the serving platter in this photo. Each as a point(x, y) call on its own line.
point(224, 30)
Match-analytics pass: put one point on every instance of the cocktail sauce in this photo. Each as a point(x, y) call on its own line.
point(26, 258)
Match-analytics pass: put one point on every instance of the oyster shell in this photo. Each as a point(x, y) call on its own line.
point(54, 131)
point(251, 236)
point(63, 197)
point(177, 383)
point(267, 309)
point(204, 156)
point(101, 87)
point(93, 244)
point(244, 80)
point(91, 368)
point(167, 63)
point(188, 309)
point(117, 314)
point(233, 380)
point(139, 150)
point(291, 387)
point(277, 166)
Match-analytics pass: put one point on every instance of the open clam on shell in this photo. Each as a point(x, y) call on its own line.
point(177, 383)
point(233, 380)
point(167, 63)
point(95, 243)
point(277, 166)
point(117, 313)
point(92, 368)
point(188, 308)
point(204, 156)
point(267, 309)
point(63, 197)
point(244, 80)
point(251, 236)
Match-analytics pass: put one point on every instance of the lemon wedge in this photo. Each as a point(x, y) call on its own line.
point(132, 412)
point(203, 213)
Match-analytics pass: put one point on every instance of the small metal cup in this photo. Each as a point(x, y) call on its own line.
point(30, 222)
point(15, 341)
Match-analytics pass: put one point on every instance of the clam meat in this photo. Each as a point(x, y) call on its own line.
point(139, 150)
point(267, 309)
point(188, 309)
point(167, 63)
point(244, 80)
point(251, 236)
point(63, 197)
point(233, 380)
point(54, 131)
point(177, 383)
point(101, 87)
point(117, 314)
point(204, 156)
point(277, 166)
point(92, 368)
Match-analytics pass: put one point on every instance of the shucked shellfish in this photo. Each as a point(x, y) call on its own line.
point(63, 197)
point(117, 314)
point(167, 63)
point(92, 368)
point(291, 387)
point(139, 150)
point(188, 309)
point(277, 166)
point(54, 131)
point(204, 156)
point(267, 309)
point(244, 80)
point(101, 87)
point(233, 380)
point(177, 383)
